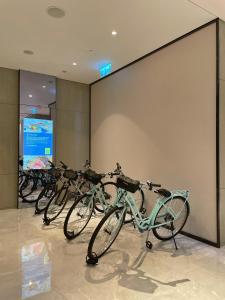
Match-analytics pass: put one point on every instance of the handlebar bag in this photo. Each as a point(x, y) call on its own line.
point(70, 174)
point(128, 184)
point(56, 173)
point(92, 176)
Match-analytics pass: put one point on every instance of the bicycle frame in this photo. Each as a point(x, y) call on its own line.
point(126, 199)
point(96, 191)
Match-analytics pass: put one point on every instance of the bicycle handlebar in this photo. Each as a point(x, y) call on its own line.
point(63, 165)
point(51, 164)
point(87, 164)
point(152, 185)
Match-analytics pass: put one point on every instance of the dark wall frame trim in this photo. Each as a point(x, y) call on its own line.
point(218, 132)
point(18, 138)
point(214, 21)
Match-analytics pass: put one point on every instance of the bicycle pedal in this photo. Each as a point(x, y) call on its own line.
point(143, 211)
point(148, 244)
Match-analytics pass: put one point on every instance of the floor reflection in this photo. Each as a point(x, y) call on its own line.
point(36, 270)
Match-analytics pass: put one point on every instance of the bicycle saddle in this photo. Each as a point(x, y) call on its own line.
point(163, 192)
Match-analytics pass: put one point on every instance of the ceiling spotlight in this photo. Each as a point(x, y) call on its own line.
point(29, 52)
point(30, 95)
point(44, 86)
point(74, 63)
point(114, 32)
point(55, 12)
point(64, 71)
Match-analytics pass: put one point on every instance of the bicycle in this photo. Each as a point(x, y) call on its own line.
point(170, 207)
point(50, 188)
point(139, 194)
point(31, 183)
point(100, 197)
point(57, 203)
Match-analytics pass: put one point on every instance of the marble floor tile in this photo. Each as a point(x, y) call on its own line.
point(36, 262)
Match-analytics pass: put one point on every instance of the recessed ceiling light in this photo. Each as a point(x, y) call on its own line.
point(114, 32)
point(64, 71)
point(30, 95)
point(29, 52)
point(74, 63)
point(44, 86)
point(55, 12)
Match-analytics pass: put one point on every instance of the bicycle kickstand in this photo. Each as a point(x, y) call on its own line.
point(174, 240)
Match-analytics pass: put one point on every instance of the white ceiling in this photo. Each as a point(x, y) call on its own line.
point(142, 26)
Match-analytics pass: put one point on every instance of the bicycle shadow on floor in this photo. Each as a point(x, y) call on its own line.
point(185, 246)
point(128, 276)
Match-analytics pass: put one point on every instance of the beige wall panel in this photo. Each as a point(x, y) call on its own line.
point(222, 128)
point(72, 96)
point(72, 141)
point(158, 119)
point(8, 138)
point(222, 134)
point(9, 82)
point(72, 119)
point(8, 191)
point(222, 48)
point(222, 216)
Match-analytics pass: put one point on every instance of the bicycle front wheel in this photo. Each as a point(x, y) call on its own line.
point(78, 216)
point(55, 206)
point(170, 227)
point(106, 232)
point(47, 193)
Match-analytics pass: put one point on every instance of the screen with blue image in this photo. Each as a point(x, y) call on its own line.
point(37, 143)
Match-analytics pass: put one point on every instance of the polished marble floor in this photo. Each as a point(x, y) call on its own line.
point(36, 262)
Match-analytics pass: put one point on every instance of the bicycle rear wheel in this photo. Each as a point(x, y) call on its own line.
point(109, 190)
point(106, 232)
point(180, 208)
point(78, 216)
point(139, 200)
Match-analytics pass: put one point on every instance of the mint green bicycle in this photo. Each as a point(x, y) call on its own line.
point(100, 198)
point(166, 220)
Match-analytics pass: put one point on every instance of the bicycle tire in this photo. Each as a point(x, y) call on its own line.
point(156, 230)
point(102, 186)
point(45, 193)
point(140, 205)
point(25, 194)
point(47, 213)
point(68, 233)
point(92, 253)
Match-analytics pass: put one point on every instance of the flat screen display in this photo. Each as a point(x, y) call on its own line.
point(37, 143)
